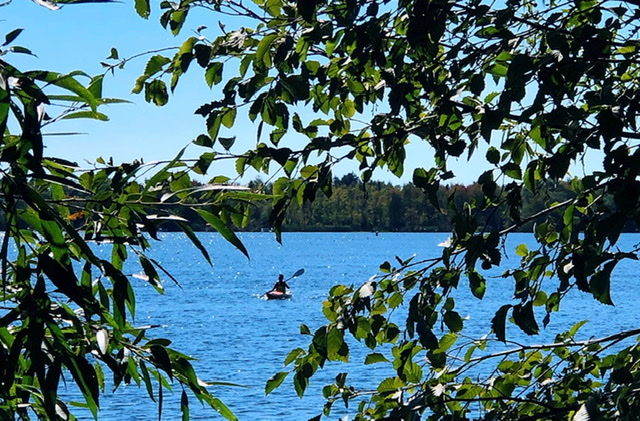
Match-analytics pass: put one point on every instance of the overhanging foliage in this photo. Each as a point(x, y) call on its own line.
point(533, 86)
point(67, 311)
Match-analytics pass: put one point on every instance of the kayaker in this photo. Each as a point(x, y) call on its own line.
point(280, 285)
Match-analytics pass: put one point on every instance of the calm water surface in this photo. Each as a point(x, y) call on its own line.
point(219, 317)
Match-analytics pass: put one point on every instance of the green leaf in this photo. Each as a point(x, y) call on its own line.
point(93, 115)
point(453, 321)
point(50, 390)
point(309, 172)
point(600, 283)
point(220, 407)
point(214, 120)
point(21, 50)
point(122, 292)
point(151, 273)
point(146, 378)
point(228, 117)
point(263, 58)
point(476, 84)
point(156, 92)
point(203, 54)
point(85, 377)
point(184, 368)
point(447, 341)
point(298, 87)
point(275, 381)
point(203, 140)
point(164, 173)
point(95, 87)
point(182, 61)
point(375, 358)
point(412, 372)
point(194, 239)
point(498, 70)
point(301, 380)
point(522, 250)
point(628, 49)
point(223, 229)
point(204, 161)
point(498, 323)
point(184, 406)
point(306, 8)
point(143, 8)
point(65, 280)
point(493, 155)
point(113, 54)
point(391, 384)
point(276, 135)
point(477, 284)
point(575, 328)
point(161, 359)
point(293, 355)
point(155, 64)
point(213, 74)
point(8, 39)
point(227, 142)
point(67, 82)
point(177, 19)
point(525, 318)
point(512, 170)
point(337, 349)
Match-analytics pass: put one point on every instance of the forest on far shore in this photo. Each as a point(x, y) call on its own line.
point(382, 206)
point(378, 206)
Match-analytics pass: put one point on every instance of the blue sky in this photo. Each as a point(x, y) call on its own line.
point(79, 37)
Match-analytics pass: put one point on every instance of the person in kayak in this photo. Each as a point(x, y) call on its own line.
point(280, 285)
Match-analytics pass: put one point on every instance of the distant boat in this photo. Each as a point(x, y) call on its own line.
point(446, 243)
point(277, 295)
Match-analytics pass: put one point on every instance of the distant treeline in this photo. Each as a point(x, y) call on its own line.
point(382, 206)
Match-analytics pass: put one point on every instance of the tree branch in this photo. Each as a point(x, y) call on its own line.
point(615, 337)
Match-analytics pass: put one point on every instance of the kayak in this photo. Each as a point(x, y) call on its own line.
point(277, 295)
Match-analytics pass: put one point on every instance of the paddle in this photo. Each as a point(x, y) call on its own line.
point(295, 275)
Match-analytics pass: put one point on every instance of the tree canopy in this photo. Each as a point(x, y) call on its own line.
point(533, 87)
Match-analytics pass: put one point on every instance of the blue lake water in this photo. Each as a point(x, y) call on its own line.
point(219, 317)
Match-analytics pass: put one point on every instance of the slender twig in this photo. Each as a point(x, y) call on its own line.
point(122, 62)
point(615, 337)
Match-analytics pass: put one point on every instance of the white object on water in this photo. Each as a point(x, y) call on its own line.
point(102, 337)
point(445, 243)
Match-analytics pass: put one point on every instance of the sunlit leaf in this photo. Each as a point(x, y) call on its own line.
point(375, 358)
point(68, 82)
point(195, 240)
point(143, 8)
point(94, 115)
point(223, 229)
